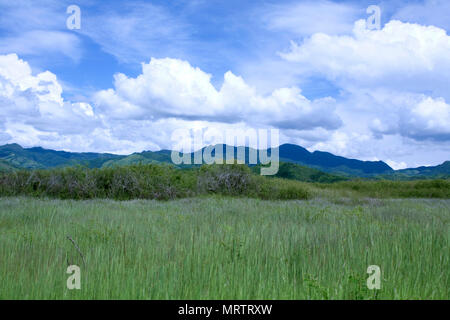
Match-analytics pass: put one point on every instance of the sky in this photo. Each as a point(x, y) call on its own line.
point(135, 72)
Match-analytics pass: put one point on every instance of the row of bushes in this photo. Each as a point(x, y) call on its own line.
point(166, 182)
point(161, 182)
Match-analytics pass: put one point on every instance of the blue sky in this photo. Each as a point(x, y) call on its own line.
point(138, 70)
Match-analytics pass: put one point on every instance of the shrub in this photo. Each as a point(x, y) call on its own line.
point(227, 179)
point(282, 189)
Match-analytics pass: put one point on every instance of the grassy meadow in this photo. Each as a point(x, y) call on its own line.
point(224, 247)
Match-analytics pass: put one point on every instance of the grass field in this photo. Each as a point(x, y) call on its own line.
point(214, 247)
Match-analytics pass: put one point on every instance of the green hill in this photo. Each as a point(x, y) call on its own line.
point(441, 171)
point(331, 163)
point(295, 171)
point(129, 160)
point(40, 158)
point(6, 167)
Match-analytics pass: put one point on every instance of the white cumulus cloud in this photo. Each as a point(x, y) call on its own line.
point(173, 88)
point(32, 108)
point(394, 79)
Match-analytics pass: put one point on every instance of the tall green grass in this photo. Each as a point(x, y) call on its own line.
point(224, 248)
point(433, 188)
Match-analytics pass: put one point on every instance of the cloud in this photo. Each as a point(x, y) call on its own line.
point(173, 88)
point(395, 79)
point(415, 116)
point(38, 30)
point(41, 42)
point(32, 107)
point(309, 17)
point(428, 12)
point(21, 16)
point(400, 54)
point(396, 165)
point(140, 30)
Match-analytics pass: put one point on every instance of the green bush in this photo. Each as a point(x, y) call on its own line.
point(282, 189)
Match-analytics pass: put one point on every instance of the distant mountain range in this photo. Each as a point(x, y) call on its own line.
point(439, 171)
point(328, 162)
point(13, 157)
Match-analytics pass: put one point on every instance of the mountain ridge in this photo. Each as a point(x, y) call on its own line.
point(13, 156)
